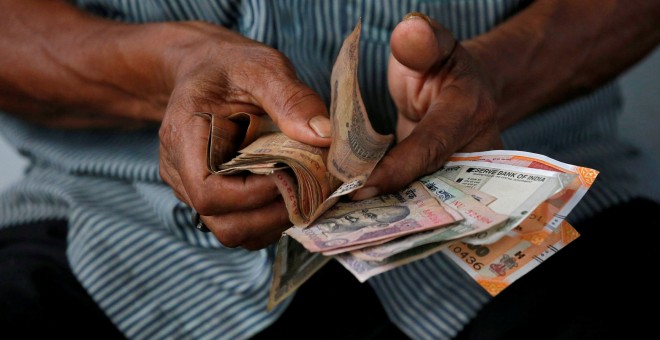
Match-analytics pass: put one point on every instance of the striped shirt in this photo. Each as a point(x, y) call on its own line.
point(131, 243)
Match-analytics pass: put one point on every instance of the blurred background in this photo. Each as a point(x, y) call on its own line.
point(639, 123)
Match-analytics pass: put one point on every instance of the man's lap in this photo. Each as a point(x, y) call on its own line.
point(587, 290)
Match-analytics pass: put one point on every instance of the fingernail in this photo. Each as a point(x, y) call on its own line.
point(417, 15)
point(364, 193)
point(321, 125)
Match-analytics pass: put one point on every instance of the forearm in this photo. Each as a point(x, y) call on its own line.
point(557, 49)
point(63, 67)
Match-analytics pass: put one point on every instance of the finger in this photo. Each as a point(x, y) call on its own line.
point(421, 48)
point(419, 43)
point(172, 178)
point(296, 109)
point(420, 153)
point(441, 132)
point(253, 229)
point(184, 145)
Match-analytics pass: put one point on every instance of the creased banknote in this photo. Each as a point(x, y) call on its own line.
point(311, 179)
point(364, 269)
point(304, 183)
point(355, 150)
point(476, 217)
point(348, 224)
point(554, 209)
point(518, 190)
point(356, 146)
point(292, 267)
point(495, 266)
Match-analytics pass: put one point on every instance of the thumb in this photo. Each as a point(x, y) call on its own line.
point(420, 48)
point(419, 43)
point(297, 110)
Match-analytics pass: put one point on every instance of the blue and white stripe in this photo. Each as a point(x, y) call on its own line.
point(130, 240)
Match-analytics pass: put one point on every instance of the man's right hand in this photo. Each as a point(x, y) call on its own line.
point(220, 72)
point(65, 68)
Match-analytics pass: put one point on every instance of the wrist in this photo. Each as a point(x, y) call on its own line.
point(125, 68)
point(149, 60)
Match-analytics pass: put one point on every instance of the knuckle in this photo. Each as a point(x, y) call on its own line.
point(295, 94)
point(164, 133)
point(162, 172)
point(164, 167)
point(179, 196)
point(229, 236)
point(172, 182)
point(273, 57)
point(201, 202)
point(266, 59)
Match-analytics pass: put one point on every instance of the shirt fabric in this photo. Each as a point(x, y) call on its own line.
point(131, 242)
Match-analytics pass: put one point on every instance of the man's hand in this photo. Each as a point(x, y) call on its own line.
point(65, 68)
point(446, 103)
point(222, 72)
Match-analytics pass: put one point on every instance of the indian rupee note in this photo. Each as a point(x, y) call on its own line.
point(364, 269)
point(313, 185)
point(477, 217)
point(348, 224)
point(355, 150)
point(292, 267)
point(518, 190)
point(555, 208)
point(495, 266)
point(356, 147)
point(232, 133)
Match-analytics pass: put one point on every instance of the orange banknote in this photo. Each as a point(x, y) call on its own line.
point(495, 266)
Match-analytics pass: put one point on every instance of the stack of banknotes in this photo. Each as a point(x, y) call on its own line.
point(496, 214)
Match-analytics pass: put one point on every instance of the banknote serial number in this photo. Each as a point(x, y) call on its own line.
point(469, 259)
